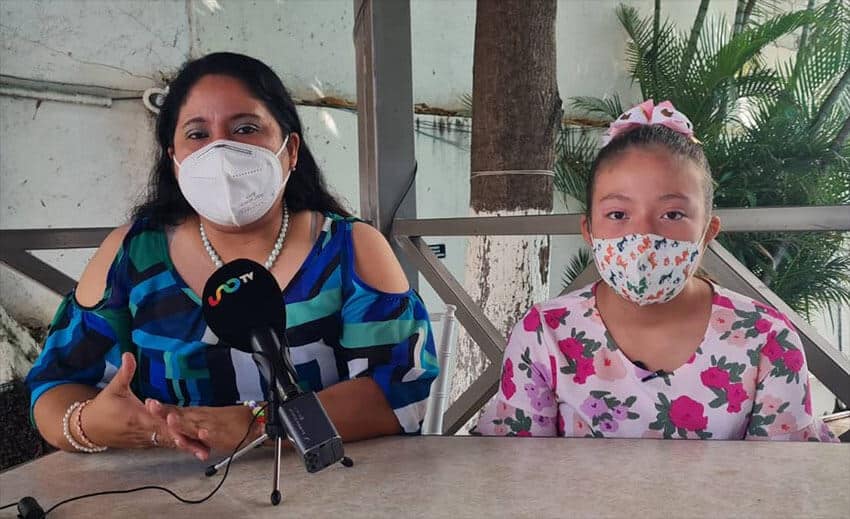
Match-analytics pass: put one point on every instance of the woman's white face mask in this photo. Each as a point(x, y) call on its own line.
point(232, 183)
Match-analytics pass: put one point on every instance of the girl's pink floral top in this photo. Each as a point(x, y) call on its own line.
point(563, 375)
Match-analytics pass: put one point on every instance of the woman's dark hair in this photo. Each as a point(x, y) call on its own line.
point(649, 136)
point(306, 189)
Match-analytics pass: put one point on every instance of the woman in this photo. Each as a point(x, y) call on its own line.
point(129, 361)
point(652, 350)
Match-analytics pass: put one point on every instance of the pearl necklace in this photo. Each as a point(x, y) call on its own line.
point(278, 244)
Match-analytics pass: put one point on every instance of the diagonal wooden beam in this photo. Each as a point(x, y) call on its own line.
point(25, 263)
point(479, 327)
point(49, 239)
point(473, 399)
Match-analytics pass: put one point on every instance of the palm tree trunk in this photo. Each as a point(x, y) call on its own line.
point(693, 39)
point(656, 34)
point(804, 36)
point(802, 51)
point(740, 8)
point(743, 12)
point(743, 9)
point(831, 100)
point(841, 137)
point(517, 112)
point(748, 11)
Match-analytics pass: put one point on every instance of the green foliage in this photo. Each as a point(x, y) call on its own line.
point(775, 135)
point(579, 262)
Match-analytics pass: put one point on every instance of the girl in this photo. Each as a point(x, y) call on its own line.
point(653, 351)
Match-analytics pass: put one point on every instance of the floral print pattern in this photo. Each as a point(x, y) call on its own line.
point(563, 375)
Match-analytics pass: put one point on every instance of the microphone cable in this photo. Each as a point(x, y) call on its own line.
point(146, 487)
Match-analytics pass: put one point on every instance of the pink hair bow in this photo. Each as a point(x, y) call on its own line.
point(648, 113)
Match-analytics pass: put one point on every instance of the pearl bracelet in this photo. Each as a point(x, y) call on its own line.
point(86, 441)
point(66, 430)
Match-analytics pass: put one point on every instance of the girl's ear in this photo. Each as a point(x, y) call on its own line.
point(585, 230)
point(713, 229)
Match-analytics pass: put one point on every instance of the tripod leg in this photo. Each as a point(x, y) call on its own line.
point(276, 497)
point(213, 469)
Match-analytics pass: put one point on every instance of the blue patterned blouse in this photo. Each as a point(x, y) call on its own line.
point(339, 328)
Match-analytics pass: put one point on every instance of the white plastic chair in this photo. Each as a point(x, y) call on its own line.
point(441, 387)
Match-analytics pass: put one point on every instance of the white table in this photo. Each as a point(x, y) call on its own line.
point(465, 477)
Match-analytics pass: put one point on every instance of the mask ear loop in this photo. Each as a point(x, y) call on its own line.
point(596, 261)
point(704, 233)
point(701, 252)
point(282, 146)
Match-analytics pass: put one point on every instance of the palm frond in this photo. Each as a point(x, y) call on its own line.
point(582, 259)
point(817, 272)
point(466, 103)
point(722, 60)
point(608, 107)
point(815, 70)
point(576, 149)
point(639, 31)
point(832, 32)
point(652, 55)
point(742, 49)
point(758, 82)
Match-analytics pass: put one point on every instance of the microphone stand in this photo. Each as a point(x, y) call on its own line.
point(275, 430)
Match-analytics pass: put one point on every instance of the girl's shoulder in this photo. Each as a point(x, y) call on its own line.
point(747, 308)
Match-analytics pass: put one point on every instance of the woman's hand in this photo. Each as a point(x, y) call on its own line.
point(199, 430)
point(117, 418)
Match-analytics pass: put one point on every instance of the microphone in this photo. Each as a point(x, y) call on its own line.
point(652, 375)
point(243, 306)
point(28, 508)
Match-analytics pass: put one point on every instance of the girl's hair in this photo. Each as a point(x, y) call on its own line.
point(164, 203)
point(658, 136)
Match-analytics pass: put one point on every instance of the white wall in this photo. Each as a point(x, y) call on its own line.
point(309, 42)
point(121, 44)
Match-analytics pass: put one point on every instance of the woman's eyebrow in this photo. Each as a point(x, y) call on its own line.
point(193, 121)
point(245, 115)
point(241, 115)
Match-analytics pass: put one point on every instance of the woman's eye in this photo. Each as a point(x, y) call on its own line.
point(673, 215)
point(616, 215)
point(246, 129)
point(196, 134)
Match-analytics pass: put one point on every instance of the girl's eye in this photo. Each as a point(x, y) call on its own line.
point(673, 215)
point(616, 215)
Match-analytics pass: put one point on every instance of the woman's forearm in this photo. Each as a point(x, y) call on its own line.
point(359, 410)
point(51, 407)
